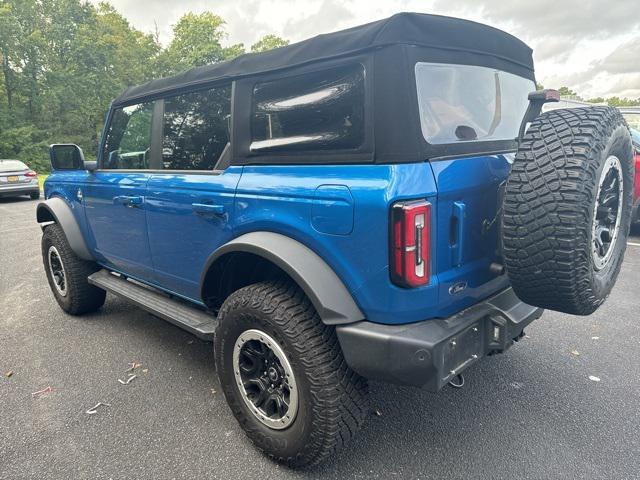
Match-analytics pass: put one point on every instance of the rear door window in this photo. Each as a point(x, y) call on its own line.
point(128, 141)
point(196, 129)
point(313, 111)
point(463, 103)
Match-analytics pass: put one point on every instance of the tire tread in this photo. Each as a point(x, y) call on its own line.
point(82, 297)
point(548, 207)
point(340, 403)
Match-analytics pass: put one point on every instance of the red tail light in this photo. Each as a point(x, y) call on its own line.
point(411, 243)
point(31, 173)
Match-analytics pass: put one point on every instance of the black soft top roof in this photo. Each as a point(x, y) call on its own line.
point(458, 37)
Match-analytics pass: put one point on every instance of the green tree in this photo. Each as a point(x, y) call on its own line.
point(26, 143)
point(616, 101)
point(623, 102)
point(108, 55)
point(197, 40)
point(8, 46)
point(63, 61)
point(233, 51)
point(567, 92)
point(268, 42)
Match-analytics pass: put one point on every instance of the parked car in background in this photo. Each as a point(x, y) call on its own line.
point(16, 179)
point(632, 117)
point(635, 138)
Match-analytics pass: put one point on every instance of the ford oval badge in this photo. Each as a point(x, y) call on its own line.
point(457, 288)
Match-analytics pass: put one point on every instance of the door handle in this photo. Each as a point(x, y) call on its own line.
point(208, 208)
point(458, 232)
point(128, 200)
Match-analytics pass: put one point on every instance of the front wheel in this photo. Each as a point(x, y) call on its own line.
point(283, 375)
point(67, 274)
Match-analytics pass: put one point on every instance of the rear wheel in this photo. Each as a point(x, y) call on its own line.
point(35, 195)
point(67, 274)
point(567, 209)
point(283, 374)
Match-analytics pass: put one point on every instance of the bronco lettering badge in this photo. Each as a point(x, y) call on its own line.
point(457, 288)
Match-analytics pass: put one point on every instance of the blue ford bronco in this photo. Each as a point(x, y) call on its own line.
point(385, 202)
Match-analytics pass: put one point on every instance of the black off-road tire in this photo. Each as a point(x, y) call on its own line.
point(333, 400)
point(550, 203)
point(34, 195)
point(81, 297)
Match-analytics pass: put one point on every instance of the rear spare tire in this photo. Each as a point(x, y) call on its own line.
point(567, 209)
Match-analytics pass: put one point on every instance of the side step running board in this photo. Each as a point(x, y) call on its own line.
point(181, 314)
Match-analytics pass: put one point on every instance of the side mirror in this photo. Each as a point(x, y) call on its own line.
point(67, 156)
point(90, 166)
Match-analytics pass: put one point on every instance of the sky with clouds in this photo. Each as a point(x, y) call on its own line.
point(592, 46)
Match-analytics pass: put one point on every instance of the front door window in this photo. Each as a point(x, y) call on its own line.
point(128, 140)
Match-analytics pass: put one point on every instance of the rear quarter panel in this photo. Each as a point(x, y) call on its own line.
point(287, 199)
point(342, 213)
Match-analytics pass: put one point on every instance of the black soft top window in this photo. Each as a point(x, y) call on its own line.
point(128, 140)
point(322, 110)
point(389, 50)
point(196, 129)
point(464, 103)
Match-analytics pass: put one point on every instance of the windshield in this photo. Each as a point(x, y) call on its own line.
point(463, 103)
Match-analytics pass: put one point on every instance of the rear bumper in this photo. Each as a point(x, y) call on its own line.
point(432, 352)
point(19, 189)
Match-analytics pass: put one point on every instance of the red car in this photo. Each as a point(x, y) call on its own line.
point(632, 116)
point(635, 135)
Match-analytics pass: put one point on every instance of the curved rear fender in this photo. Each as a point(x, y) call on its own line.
point(58, 211)
point(329, 296)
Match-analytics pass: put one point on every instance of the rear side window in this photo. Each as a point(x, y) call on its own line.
point(314, 111)
point(460, 103)
point(128, 141)
point(196, 129)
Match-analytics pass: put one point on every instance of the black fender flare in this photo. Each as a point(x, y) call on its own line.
point(58, 211)
point(329, 296)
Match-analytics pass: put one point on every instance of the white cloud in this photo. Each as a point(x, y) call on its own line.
point(591, 46)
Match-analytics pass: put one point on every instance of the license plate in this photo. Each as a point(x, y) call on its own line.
point(463, 349)
point(13, 178)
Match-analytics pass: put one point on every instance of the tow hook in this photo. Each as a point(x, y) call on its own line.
point(457, 381)
point(517, 339)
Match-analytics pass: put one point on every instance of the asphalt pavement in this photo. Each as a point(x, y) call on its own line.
point(531, 413)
